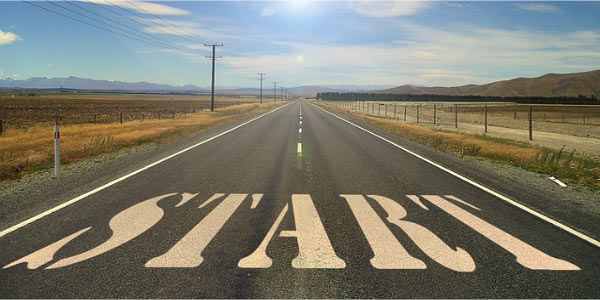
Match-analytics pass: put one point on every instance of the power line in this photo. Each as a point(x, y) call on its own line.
point(93, 25)
point(124, 25)
point(164, 20)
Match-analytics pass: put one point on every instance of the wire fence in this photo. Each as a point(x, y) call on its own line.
point(576, 120)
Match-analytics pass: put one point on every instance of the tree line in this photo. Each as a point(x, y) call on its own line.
point(348, 96)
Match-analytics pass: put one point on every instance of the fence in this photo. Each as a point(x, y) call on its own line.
point(577, 120)
point(26, 119)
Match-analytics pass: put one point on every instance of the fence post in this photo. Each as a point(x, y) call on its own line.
point(455, 115)
point(530, 125)
point(418, 108)
point(515, 115)
point(395, 112)
point(0, 127)
point(94, 119)
point(173, 115)
point(56, 148)
point(386, 111)
point(121, 115)
point(404, 113)
point(583, 118)
point(485, 119)
point(379, 109)
point(434, 114)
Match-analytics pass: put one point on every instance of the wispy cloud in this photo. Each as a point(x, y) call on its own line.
point(145, 7)
point(8, 37)
point(543, 8)
point(267, 12)
point(388, 9)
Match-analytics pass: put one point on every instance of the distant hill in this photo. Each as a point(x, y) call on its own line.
point(549, 85)
point(77, 83)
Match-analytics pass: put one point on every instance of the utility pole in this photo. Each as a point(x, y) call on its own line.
point(275, 91)
point(281, 93)
point(212, 87)
point(261, 80)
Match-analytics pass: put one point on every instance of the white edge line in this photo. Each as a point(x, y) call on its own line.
point(63, 205)
point(478, 185)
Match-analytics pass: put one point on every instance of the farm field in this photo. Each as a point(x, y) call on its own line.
point(27, 143)
point(26, 110)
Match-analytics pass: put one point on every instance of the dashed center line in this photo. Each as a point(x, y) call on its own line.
point(299, 130)
point(299, 147)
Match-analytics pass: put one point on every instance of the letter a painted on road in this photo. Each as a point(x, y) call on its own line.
point(315, 249)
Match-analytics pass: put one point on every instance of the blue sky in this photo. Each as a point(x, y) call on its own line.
point(300, 42)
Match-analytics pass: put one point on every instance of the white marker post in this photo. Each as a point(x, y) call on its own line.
point(56, 149)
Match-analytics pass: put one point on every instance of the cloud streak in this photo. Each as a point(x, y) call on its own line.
point(388, 9)
point(145, 7)
point(8, 38)
point(543, 8)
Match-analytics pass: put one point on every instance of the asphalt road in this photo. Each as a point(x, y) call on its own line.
point(297, 203)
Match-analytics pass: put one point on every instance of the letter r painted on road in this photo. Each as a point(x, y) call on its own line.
point(388, 252)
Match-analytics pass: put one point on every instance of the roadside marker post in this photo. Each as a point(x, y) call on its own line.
point(418, 106)
point(530, 125)
point(0, 127)
point(404, 113)
point(434, 114)
point(485, 118)
point(56, 149)
point(455, 115)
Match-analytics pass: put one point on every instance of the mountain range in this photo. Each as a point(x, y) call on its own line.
point(549, 85)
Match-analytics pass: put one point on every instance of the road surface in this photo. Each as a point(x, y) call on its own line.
point(295, 203)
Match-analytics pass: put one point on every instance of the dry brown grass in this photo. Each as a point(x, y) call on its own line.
point(32, 148)
point(567, 166)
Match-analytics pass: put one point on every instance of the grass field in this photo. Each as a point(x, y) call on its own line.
point(25, 110)
point(30, 146)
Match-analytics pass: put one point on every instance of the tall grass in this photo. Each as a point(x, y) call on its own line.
point(32, 149)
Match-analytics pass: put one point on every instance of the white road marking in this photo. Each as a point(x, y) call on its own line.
point(300, 148)
point(478, 185)
point(299, 130)
point(259, 258)
point(125, 226)
point(387, 250)
point(462, 201)
point(211, 199)
point(300, 122)
point(100, 188)
point(314, 247)
point(415, 199)
point(185, 197)
point(255, 200)
point(187, 253)
point(46, 254)
point(457, 260)
point(300, 117)
point(526, 255)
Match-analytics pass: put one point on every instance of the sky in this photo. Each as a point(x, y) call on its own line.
point(298, 42)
